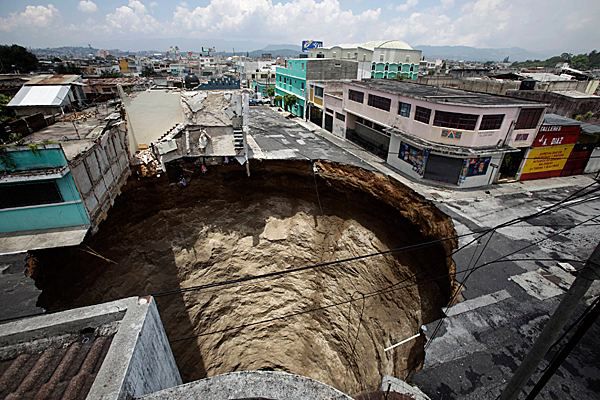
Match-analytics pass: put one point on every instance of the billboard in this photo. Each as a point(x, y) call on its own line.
point(554, 135)
point(545, 162)
point(310, 45)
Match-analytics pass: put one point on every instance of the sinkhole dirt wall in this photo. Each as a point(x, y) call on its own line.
point(159, 237)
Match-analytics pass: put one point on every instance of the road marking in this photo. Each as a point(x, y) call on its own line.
point(536, 285)
point(477, 302)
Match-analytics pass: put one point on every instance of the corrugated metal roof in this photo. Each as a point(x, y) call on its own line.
point(40, 96)
point(53, 80)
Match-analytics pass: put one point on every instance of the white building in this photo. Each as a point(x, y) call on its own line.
point(377, 59)
point(438, 134)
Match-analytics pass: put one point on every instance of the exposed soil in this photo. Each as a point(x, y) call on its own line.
point(225, 225)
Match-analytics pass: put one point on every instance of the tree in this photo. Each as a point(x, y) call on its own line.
point(5, 113)
point(566, 56)
point(148, 71)
point(278, 100)
point(581, 62)
point(17, 59)
point(289, 101)
point(270, 91)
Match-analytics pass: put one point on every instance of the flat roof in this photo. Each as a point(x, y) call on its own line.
point(555, 119)
point(441, 95)
point(53, 80)
point(77, 132)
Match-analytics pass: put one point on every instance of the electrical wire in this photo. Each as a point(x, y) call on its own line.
point(378, 292)
point(276, 274)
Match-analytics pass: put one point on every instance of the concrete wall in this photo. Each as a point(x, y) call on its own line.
point(139, 360)
point(253, 385)
point(499, 86)
point(593, 164)
point(562, 105)
point(101, 172)
point(409, 125)
point(330, 69)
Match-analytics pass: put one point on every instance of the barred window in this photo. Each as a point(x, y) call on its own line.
point(383, 103)
point(357, 96)
point(490, 122)
point(529, 118)
point(422, 114)
point(455, 120)
point(404, 109)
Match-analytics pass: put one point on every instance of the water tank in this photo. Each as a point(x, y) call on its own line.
point(191, 81)
point(527, 84)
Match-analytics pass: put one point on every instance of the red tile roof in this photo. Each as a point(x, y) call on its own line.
point(64, 370)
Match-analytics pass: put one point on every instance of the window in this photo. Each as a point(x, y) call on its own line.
point(490, 122)
point(521, 136)
point(329, 110)
point(349, 55)
point(354, 95)
point(302, 67)
point(372, 67)
point(339, 116)
point(253, 76)
point(529, 118)
point(383, 103)
point(381, 58)
point(302, 85)
point(387, 67)
point(455, 120)
point(404, 109)
point(318, 91)
point(29, 194)
point(422, 114)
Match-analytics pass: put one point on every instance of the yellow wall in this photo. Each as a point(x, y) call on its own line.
point(551, 158)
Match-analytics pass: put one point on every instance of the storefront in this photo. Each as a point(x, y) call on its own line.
point(451, 165)
point(552, 148)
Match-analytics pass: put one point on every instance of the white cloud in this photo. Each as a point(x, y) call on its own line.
point(276, 22)
point(133, 17)
point(406, 6)
point(446, 3)
point(87, 6)
point(32, 16)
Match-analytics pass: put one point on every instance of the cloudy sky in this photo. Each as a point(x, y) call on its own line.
point(548, 25)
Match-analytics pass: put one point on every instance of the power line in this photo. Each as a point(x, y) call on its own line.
point(275, 274)
point(381, 291)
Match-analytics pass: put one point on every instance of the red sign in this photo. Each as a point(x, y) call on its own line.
point(556, 135)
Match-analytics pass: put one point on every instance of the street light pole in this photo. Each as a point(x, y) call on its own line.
point(554, 327)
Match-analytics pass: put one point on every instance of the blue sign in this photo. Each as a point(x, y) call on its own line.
point(310, 45)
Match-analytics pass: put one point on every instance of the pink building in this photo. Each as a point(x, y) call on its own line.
point(439, 134)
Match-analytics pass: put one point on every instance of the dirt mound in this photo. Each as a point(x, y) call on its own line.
point(226, 225)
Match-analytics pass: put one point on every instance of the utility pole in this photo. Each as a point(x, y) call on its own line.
point(554, 327)
point(562, 355)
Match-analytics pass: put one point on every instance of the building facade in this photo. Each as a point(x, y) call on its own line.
point(292, 79)
point(61, 182)
point(442, 135)
point(387, 59)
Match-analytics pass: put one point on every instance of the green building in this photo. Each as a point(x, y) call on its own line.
point(292, 79)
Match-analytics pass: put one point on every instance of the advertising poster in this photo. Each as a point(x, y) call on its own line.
point(415, 157)
point(545, 162)
point(311, 44)
point(477, 166)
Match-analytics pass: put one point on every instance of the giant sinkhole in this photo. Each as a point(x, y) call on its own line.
point(160, 238)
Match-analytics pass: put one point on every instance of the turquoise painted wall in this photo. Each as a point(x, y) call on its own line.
point(292, 80)
point(71, 212)
point(407, 71)
point(24, 158)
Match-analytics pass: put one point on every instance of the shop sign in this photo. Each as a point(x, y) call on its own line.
point(451, 134)
point(415, 157)
point(547, 136)
point(544, 159)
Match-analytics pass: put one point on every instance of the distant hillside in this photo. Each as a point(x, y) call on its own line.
point(467, 53)
point(579, 61)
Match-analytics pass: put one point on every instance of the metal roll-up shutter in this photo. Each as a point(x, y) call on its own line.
point(443, 169)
